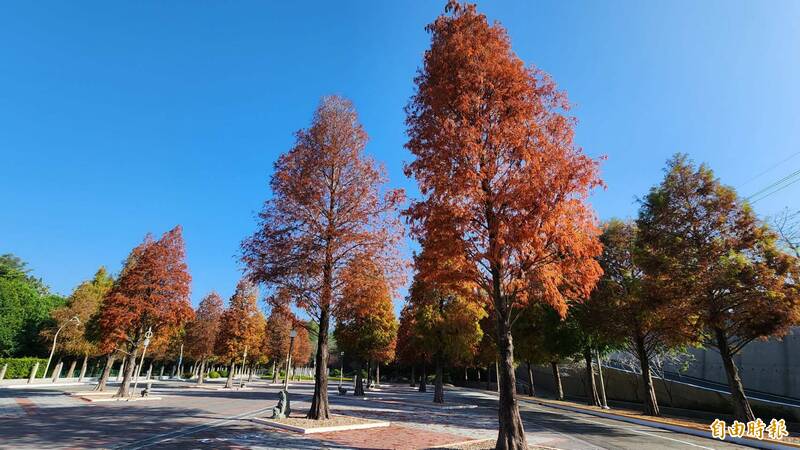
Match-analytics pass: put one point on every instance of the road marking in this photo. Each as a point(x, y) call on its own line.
point(157, 439)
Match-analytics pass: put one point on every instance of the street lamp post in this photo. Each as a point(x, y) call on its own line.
point(341, 372)
point(244, 361)
point(292, 335)
point(147, 336)
point(180, 363)
point(53, 350)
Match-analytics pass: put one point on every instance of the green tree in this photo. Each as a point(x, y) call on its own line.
point(25, 306)
point(449, 323)
point(703, 246)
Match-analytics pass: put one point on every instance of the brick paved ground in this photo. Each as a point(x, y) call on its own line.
point(190, 418)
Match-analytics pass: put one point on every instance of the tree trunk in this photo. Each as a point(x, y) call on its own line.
point(369, 374)
point(377, 374)
point(201, 376)
point(229, 381)
point(741, 407)
point(438, 387)
point(101, 383)
point(413, 380)
point(274, 372)
point(83, 367)
point(358, 390)
point(531, 390)
point(511, 435)
point(124, 388)
point(319, 401)
point(591, 388)
point(650, 399)
point(423, 381)
point(557, 379)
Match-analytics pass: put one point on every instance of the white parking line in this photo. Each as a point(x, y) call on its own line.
point(160, 438)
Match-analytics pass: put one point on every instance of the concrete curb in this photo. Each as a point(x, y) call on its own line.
point(771, 445)
point(43, 385)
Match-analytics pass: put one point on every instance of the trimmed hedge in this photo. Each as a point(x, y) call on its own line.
point(213, 374)
point(21, 367)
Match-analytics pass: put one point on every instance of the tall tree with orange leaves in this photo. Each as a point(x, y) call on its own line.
point(503, 184)
point(241, 328)
point(329, 203)
point(152, 292)
point(202, 332)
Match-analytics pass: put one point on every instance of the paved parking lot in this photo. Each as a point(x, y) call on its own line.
point(202, 418)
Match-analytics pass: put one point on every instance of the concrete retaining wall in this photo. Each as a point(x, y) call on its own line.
point(627, 387)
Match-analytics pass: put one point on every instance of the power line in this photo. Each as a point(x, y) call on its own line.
point(769, 169)
point(775, 187)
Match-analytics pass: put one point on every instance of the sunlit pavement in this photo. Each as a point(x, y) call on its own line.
point(187, 417)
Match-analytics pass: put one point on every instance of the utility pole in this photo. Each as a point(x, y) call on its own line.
point(292, 335)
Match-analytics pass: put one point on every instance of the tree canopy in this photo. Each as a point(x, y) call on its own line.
point(703, 247)
point(503, 184)
point(25, 307)
point(328, 204)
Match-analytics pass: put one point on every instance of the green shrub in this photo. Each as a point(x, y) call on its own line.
point(21, 367)
point(223, 373)
point(213, 374)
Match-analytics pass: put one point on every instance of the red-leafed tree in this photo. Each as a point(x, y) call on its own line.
point(328, 204)
point(202, 332)
point(152, 292)
point(241, 327)
point(279, 324)
point(503, 184)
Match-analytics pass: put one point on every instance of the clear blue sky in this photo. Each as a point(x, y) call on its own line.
point(122, 118)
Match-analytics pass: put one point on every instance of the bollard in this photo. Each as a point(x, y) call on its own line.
point(71, 369)
point(3, 371)
point(57, 372)
point(121, 369)
point(83, 368)
point(33, 373)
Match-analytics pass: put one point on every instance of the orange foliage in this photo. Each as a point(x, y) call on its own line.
point(202, 332)
point(366, 328)
point(152, 291)
point(242, 325)
point(503, 184)
point(328, 205)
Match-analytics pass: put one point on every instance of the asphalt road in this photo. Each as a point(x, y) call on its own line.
point(195, 418)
